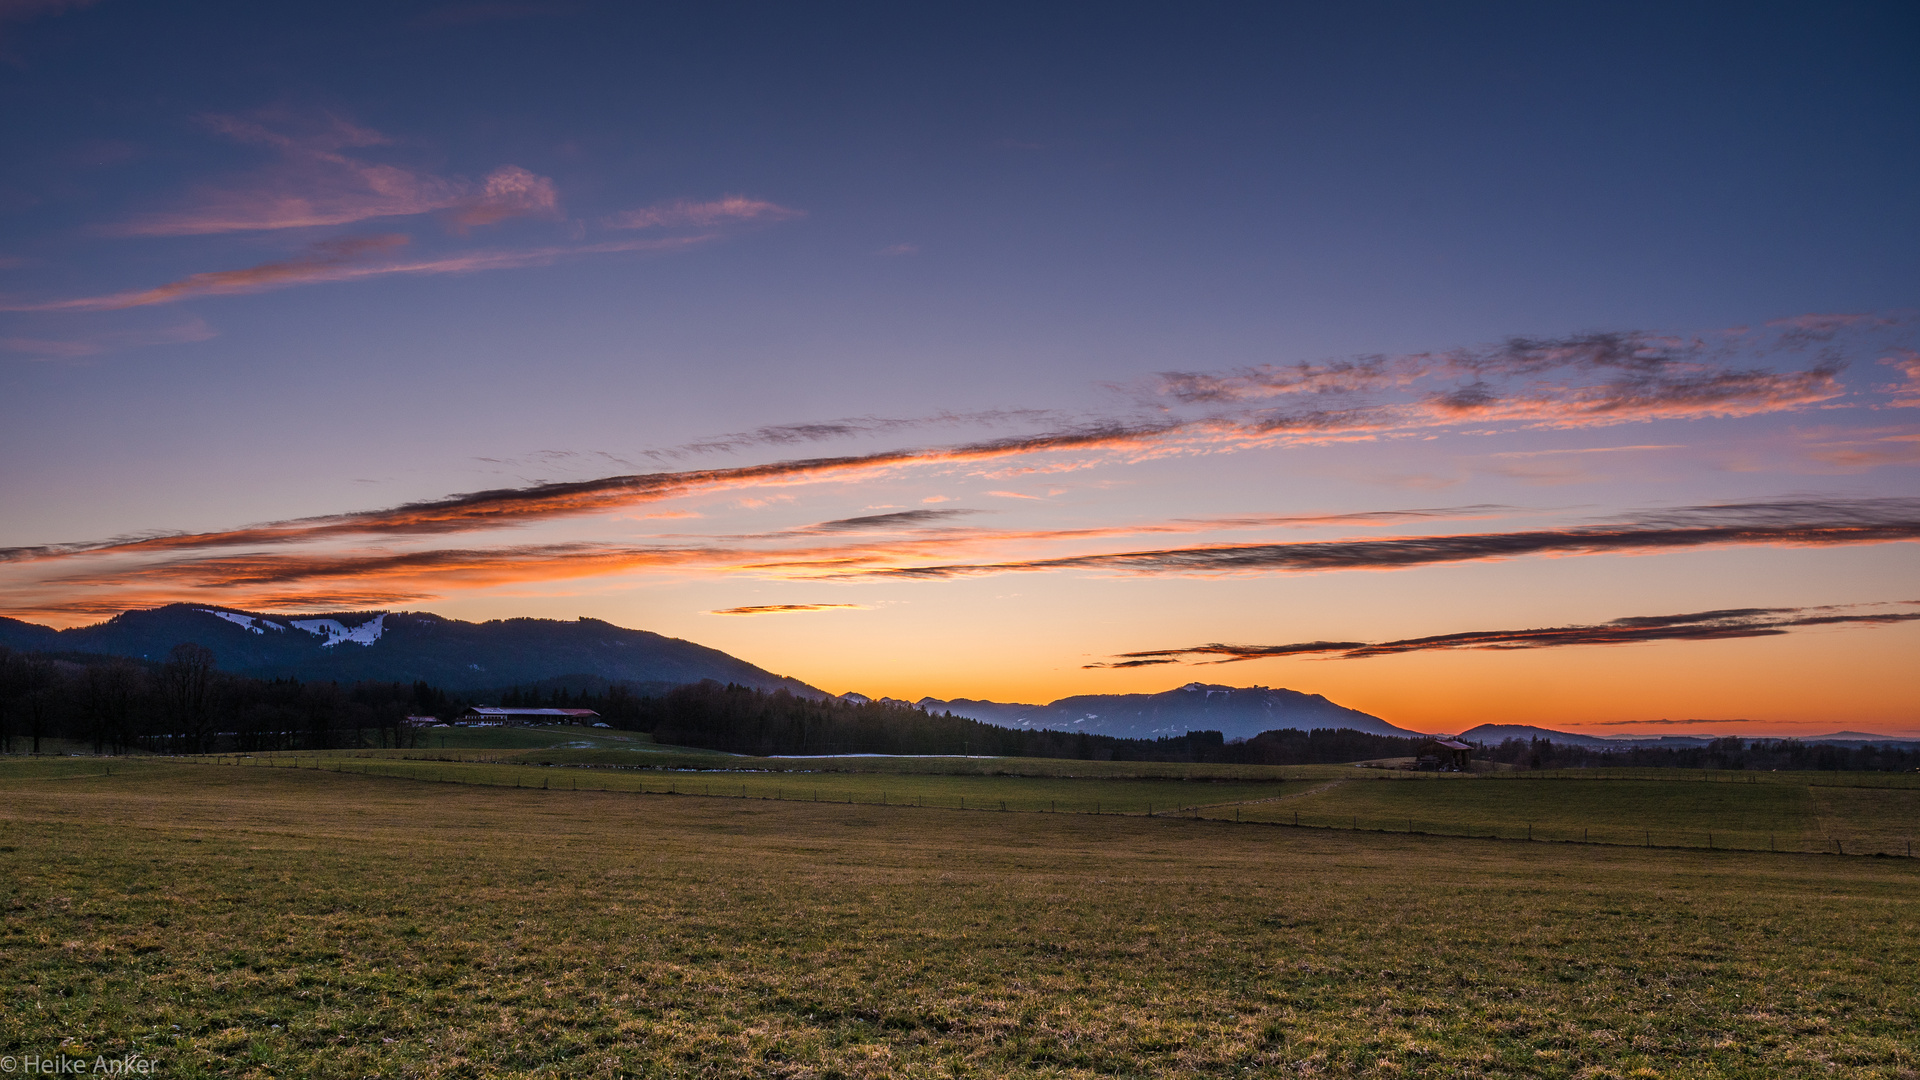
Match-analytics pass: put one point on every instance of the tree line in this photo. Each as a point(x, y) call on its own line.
point(185, 705)
point(1727, 753)
point(744, 720)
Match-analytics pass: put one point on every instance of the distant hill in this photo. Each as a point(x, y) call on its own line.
point(1496, 733)
point(1236, 712)
point(1491, 734)
point(403, 647)
point(1863, 738)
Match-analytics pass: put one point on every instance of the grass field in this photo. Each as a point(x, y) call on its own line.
point(301, 922)
point(968, 791)
point(1788, 812)
point(1844, 813)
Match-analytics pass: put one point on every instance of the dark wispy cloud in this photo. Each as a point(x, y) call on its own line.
point(143, 575)
point(1696, 626)
point(902, 519)
point(504, 507)
point(857, 427)
point(1809, 524)
point(1360, 518)
point(784, 609)
point(1581, 380)
point(140, 574)
point(1234, 415)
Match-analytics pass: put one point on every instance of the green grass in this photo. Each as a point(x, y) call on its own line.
point(255, 922)
point(985, 791)
point(522, 738)
point(1787, 812)
point(958, 766)
point(1757, 811)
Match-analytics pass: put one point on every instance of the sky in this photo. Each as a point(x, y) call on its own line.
point(1468, 363)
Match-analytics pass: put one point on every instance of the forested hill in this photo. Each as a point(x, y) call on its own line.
point(403, 647)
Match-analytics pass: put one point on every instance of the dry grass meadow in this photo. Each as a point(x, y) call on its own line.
point(233, 921)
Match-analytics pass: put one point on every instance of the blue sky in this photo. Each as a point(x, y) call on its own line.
point(1547, 269)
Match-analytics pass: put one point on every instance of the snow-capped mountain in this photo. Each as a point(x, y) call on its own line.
point(403, 646)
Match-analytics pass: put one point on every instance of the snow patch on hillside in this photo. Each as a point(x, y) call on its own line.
point(245, 621)
point(365, 634)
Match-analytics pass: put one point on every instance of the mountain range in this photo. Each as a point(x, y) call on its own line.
point(478, 657)
point(1236, 712)
point(1488, 734)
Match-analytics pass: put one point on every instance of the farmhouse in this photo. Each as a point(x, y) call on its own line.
point(1445, 755)
point(488, 716)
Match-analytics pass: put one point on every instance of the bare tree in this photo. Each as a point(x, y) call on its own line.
point(10, 677)
point(110, 691)
point(186, 684)
point(38, 682)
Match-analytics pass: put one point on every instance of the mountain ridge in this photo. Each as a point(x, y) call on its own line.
point(1494, 733)
point(1237, 712)
point(403, 647)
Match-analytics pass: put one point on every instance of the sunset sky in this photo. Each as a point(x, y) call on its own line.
point(1519, 363)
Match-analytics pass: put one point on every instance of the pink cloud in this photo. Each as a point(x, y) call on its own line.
point(76, 348)
point(340, 260)
point(328, 261)
point(1907, 363)
point(1818, 322)
point(1861, 454)
point(510, 192)
point(681, 212)
point(317, 184)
